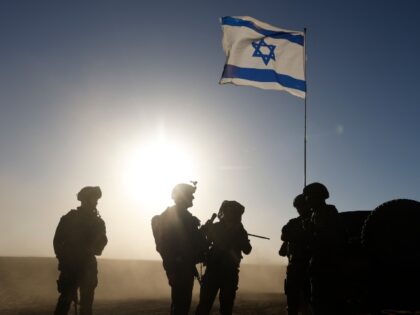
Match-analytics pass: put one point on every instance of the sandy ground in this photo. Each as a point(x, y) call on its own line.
point(260, 304)
point(27, 287)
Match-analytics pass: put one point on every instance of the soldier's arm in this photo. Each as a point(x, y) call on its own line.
point(245, 242)
point(170, 257)
point(201, 238)
point(100, 239)
point(283, 249)
point(165, 246)
point(287, 231)
point(208, 231)
point(284, 233)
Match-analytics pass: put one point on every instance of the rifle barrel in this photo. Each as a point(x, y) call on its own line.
point(259, 236)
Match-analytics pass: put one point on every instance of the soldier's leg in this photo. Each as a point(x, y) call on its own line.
point(292, 293)
point(227, 294)
point(86, 299)
point(292, 303)
point(63, 305)
point(67, 287)
point(305, 295)
point(316, 297)
point(181, 293)
point(322, 302)
point(208, 291)
point(88, 283)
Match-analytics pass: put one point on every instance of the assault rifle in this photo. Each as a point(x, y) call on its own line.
point(214, 216)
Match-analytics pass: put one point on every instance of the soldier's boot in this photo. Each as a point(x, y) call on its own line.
point(63, 305)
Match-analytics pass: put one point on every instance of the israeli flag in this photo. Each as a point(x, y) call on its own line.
point(263, 56)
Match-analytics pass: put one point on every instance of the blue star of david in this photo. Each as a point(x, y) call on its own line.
point(265, 57)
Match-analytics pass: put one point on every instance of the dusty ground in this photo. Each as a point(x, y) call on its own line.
point(246, 305)
point(27, 287)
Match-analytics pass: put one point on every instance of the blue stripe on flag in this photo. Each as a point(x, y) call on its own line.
point(298, 39)
point(263, 75)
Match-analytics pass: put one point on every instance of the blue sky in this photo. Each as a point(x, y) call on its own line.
point(83, 84)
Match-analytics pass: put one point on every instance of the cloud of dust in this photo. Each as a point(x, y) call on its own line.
point(33, 280)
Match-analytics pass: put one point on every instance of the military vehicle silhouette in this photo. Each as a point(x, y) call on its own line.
point(381, 262)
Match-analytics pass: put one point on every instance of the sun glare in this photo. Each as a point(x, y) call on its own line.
point(152, 169)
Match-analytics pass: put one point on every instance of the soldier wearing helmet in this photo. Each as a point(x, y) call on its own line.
point(328, 241)
point(228, 240)
point(79, 237)
point(316, 194)
point(324, 216)
point(181, 245)
point(183, 195)
point(296, 237)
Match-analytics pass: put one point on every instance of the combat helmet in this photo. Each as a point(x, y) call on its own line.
point(316, 190)
point(231, 206)
point(182, 190)
point(89, 192)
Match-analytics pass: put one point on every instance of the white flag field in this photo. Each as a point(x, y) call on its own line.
point(263, 56)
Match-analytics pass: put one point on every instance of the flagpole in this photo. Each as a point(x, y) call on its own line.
point(306, 97)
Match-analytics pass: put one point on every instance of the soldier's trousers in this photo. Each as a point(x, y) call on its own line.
point(69, 282)
point(297, 289)
point(325, 293)
point(181, 292)
point(213, 281)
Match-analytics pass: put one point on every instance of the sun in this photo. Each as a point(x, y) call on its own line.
point(152, 169)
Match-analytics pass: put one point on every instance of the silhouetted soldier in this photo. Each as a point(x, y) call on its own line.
point(328, 242)
point(181, 245)
point(228, 240)
point(80, 235)
point(296, 238)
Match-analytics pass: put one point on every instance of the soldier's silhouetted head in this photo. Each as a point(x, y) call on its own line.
point(183, 195)
point(231, 212)
point(315, 194)
point(89, 196)
point(301, 205)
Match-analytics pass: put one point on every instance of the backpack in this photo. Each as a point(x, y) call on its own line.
point(157, 231)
